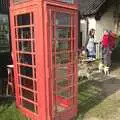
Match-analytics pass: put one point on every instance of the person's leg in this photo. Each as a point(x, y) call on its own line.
point(105, 62)
point(108, 57)
point(102, 55)
point(105, 56)
point(109, 60)
point(87, 52)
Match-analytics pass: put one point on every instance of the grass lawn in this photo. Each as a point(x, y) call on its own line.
point(98, 100)
point(8, 111)
point(88, 97)
point(90, 94)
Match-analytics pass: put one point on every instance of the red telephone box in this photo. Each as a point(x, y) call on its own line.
point(44, 46)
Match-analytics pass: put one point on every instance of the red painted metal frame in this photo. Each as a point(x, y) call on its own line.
point(42, 37)
point(70, 113)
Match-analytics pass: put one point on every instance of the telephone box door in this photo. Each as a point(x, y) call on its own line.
point(63, 65)
point(23, 43)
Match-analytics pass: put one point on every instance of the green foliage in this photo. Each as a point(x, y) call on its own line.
point(8, 111)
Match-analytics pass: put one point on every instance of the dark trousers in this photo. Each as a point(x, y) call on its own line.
point(106, 57)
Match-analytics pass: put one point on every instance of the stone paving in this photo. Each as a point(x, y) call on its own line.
point(103, 96)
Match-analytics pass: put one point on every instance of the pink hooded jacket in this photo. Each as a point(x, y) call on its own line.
point(109, 43)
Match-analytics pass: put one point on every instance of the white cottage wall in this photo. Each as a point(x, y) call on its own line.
point(106, 22)
point(83, 29)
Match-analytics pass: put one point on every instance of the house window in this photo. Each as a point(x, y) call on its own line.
point(4, 33)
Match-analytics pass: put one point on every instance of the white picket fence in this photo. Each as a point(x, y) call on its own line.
point(98, 50)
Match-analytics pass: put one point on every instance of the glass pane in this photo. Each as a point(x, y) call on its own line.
point(27, 94)
point(23, 19)
point(61, 72)
point(15, 33)
point(34, 60)
point(64, 72)
point(53, 60)
point(62, 19)
point(63, 103)
point(28, 83)
point(63, 82)
point(32, 18)
point(67, 1)
point(63, 32)
point(35, 73)
point(62, 58)
point(66, 92)
point(17, 0)
point(32, 32)
point(53, 45)
point(27, 71)
point(33, 43)
point(28, 105)
point(25, 58)
point(15, 20)
point(63, 45)
point(24, 33)
point(24, 46)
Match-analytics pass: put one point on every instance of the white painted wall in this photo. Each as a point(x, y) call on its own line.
point(106, 22)
point(83, 29)
point(92, 24)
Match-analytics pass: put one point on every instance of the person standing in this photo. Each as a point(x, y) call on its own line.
point(90, 45)
point(108, 44)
